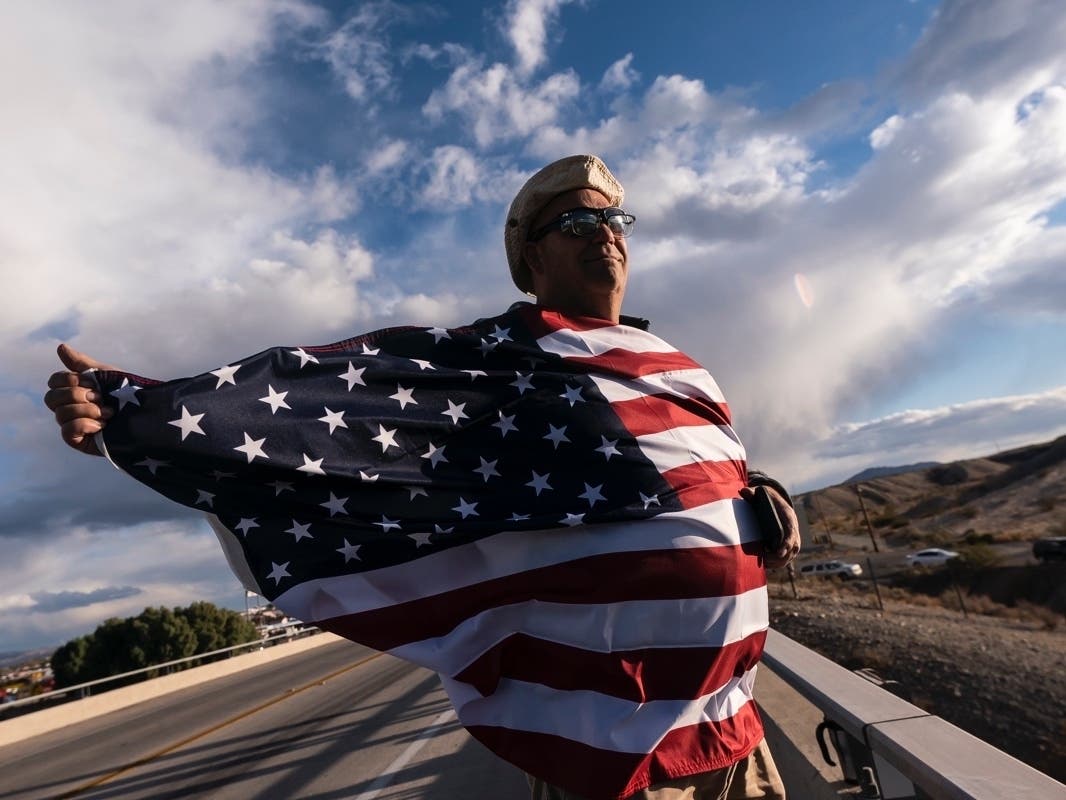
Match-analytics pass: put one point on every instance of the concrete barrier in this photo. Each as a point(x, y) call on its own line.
point(50, 719)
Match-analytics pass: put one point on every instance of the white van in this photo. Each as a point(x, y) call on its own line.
point(831, 569)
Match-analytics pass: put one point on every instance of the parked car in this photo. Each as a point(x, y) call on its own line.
point(1050, 549)
point(831, 569)
point(931, 557)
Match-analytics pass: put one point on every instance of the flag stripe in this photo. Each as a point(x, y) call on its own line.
point(708, 481)
point(686, 384)
point(665, 576)
point(653, 413)
point(651, 673)
point(592, 772)
point(727, 523)
point(678, 447)
point(605, 722)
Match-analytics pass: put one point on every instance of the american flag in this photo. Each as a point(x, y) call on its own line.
point(543, 509)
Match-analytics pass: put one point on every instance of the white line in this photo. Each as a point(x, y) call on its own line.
point(401, 761)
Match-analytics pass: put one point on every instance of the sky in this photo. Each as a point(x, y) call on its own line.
point(853, 214)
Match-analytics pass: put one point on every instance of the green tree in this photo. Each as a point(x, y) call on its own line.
point(155, 636)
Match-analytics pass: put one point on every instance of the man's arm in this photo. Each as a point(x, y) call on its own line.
point(73, 399)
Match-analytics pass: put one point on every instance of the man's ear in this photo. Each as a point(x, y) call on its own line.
point(531, 253)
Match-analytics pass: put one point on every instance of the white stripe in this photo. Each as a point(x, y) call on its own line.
point(582, 344)
point(401, 761)
point(681, 446)
point(597, 720)
point(684, 383)
point(598, 627)
point(721, 523)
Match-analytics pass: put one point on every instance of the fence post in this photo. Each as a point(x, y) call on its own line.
point(877, 589)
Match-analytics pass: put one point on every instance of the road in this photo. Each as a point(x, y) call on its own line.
point(339, 721)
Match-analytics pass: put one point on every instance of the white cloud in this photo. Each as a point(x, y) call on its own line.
point(620, 75)
point(496, 103)
point(388, 155)
point(361, 53)
point(526, 26)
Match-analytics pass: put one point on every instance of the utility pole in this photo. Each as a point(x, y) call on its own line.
point(821, 516)
point(865, 516)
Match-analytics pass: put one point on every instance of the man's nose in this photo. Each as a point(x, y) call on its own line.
point(604, 233)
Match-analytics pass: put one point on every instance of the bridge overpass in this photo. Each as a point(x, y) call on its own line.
point(321, 717)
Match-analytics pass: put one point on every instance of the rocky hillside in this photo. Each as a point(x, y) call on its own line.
point(1016, 495)
point(1001, 678)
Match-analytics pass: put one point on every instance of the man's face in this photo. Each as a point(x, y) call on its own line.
point(585, 276)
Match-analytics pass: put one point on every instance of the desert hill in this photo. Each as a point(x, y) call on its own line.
point(1016, 495)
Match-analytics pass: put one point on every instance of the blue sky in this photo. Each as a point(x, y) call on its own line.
point(189, 183)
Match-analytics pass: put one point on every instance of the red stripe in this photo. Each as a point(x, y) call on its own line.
point(609, 578)
point(707, 481)
point(655, 413)
point(609, 775)
point(542, 322)
point(628, 364)
point(678, 673)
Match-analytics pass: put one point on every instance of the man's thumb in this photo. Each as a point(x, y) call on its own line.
point(77, 361)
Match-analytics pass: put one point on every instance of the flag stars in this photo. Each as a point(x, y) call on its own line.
point(441, 529)
point(219, 475)
point(501, 334)
point(421, 538)
point(573, 519)
point(475, 373)
point(649, 500)
point(252, 447)
point(335, 419)
point(281, 486)
point(506, 424)
point(487, 469)
point(335, 505)
point(556, 435)
point(353, 376)
point(416, 491)
point(593, 495)
point(246, 525)
point(126, 393)
point(275, 400)
point(516, 517)
point(455, 412)
point(435, 455)
point(386, 437)
point(188, 423)
point(349, 551)
point(540, 482)
point(369, 351)
point(487, 347)
point(305, 358)
point(300, 530)
point(608, 448)
point(573, 394)
point(404, 397)
point(225, 375)
point(207, 498)
point(423, 364)
point(152, 464)
point(438, 334)
point(522, 382)
point(466, 509)
point(279, 571)
point(311, 466)
point(366, 476)
point(387, 524)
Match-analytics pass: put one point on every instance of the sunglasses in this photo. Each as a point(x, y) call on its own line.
point(584, 222)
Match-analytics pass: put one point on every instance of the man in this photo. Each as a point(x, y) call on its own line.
point(598, 624)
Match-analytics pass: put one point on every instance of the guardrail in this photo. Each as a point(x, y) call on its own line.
point(278, 633)
point(910, 754)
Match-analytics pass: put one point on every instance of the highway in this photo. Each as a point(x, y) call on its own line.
point(338, 721)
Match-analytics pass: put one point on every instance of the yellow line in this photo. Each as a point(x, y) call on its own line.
point(163, 751)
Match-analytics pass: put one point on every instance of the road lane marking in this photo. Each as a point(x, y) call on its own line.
point(140, 762)
point(394, 768)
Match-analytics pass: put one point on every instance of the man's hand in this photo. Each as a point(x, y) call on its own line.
point(790, 540)
point(75, 402)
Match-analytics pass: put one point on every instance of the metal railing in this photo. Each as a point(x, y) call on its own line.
point(912, 755)
point(278, 633)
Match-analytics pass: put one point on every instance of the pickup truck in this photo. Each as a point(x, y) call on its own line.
point(1050, 549)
